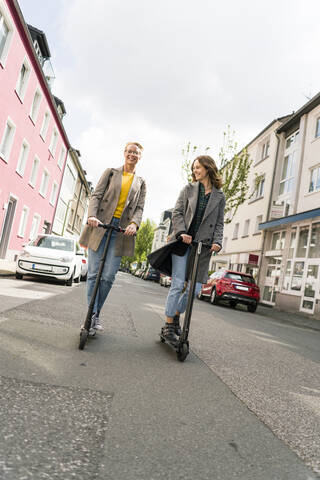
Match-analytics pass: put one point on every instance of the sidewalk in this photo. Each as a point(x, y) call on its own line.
point(299, 319)
point(7, 268)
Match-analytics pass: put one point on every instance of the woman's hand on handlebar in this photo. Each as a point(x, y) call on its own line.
point(93, 221)
point(186, 238)
point(215, 247)
point(131, 229)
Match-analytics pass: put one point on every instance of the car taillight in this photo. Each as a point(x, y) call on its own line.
point(84, 260)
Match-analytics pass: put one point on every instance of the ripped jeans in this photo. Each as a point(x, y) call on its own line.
point(177, 300)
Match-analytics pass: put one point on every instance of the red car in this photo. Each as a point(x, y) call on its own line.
point(234, 287)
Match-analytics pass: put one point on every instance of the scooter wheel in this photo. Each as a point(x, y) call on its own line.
point(83, 338)
point(183, 352)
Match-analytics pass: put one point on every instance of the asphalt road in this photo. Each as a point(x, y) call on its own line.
point(244, 405)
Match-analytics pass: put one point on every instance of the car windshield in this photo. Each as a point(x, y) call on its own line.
point(55, 243)
point(240, 277)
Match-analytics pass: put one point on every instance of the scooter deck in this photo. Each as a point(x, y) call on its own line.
point(180, 347)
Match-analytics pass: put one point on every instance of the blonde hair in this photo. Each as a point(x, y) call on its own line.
point(134, 143)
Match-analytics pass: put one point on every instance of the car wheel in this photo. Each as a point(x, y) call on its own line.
point(84, 278)
point(70, 281)
point(200, 295)
point(19, 276)
point(252, 308)
point(233, 304)
point(213, 297)
point(77, 280)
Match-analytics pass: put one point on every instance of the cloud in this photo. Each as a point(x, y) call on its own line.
point(167, 72)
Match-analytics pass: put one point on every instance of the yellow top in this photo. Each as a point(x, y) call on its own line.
point(125, 187)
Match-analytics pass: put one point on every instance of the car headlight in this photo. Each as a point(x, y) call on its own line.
point(66, 259)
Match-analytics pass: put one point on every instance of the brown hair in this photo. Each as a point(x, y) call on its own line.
point(134, 143)
point(210, 165)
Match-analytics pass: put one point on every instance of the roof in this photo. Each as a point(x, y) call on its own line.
point(60, 104)
point(41, 38)
point(306, 108)
point(290, 219)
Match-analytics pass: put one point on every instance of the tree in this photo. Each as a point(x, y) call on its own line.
point(143, 243)
point(234, 168)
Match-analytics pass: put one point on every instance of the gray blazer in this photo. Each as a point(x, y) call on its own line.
point(102, 205)
point(211, 228)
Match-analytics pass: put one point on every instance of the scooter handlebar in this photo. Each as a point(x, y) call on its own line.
point(194, 242)
point(113, 227)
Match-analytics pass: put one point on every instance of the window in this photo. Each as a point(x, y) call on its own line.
point(45, 125)
point(35, 226)
point(23, 158)
point(34, 172)
point(287, 174)
point(23, 221)
point(224, 245)
point(236, 231)
point(38, 51)
point(23, 80)
point(278, 240)
point(302, 242)
point(297, 275)
point(35, 106)
point(54, 141)
point(317, 128)
point(258, 220)
point(70, 182)
point(5, 35)
point(7, 140)
point(259, 189)
point(62, 156)
point(314, 183)
point(292, 243)
point(292, 139)
point(246, 228)
point(314, 248)
point(265, 150)
point(44, 183)
point(54, 192)
point(287, 273)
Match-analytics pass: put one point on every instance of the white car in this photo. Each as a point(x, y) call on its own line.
point(50, 256)
point(84, 262)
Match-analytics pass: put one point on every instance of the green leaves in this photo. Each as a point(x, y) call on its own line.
point(234, 169)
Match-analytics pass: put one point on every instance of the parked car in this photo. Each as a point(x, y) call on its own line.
point(152, 274)
point(84, 262)
point(165, 280)
point(138, 272)
point(233, 287)
point(50, 256)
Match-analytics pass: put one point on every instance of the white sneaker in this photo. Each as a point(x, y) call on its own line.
point(98, 326)
point(95, 322)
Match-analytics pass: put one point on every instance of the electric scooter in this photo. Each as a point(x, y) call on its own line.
point(182, 345)
point(85, 329)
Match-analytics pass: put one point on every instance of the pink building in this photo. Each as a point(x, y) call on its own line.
point(33, 142)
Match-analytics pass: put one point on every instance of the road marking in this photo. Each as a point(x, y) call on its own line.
point(22, 293)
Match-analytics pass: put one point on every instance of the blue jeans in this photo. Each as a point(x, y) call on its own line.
point(176, 300)
point(109, 272)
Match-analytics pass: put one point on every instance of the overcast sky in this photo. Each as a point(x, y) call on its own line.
point(165, 73)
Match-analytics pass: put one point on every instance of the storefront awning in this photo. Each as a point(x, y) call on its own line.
point(290, 219)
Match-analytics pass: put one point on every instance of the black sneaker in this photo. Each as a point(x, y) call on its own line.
point(176, 324)
point(168, 332)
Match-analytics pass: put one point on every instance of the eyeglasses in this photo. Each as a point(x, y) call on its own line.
point(133, 152)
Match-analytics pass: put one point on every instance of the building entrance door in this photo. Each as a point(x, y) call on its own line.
point(271, 285)
point(310, 286)
point(7, 225)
